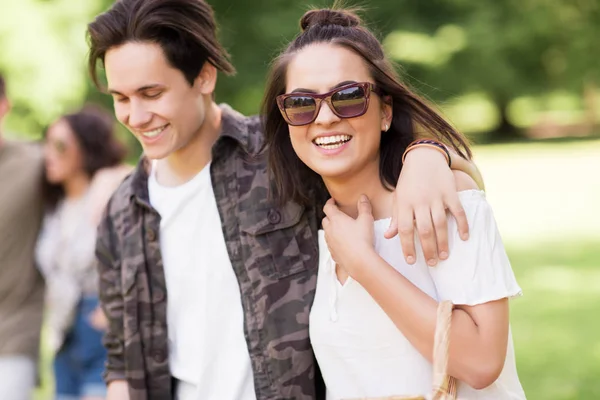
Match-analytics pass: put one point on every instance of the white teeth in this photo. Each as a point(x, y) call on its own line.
point(337, 140)
point(331, 146)
point(154, 133)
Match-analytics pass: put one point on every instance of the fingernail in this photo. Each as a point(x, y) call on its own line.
point(410, 259)
point(363, 197)
point(464, 236)
point(443, 255)
point(432, 262)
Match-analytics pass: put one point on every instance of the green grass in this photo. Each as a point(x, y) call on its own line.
point(555, 325)
point(546, 198)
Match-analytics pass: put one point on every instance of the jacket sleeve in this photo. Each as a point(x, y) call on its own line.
point(108, 260)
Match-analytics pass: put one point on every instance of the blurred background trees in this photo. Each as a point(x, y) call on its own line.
point(499, 69)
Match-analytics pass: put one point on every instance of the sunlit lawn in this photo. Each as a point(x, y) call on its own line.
point(546, 197)
point(555, 324)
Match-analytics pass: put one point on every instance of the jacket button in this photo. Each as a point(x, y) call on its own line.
point(274, 217)
point(160, 296)
point(159, 356)
point(151, 235)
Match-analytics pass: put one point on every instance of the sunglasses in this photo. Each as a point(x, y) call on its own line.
point(58, 145)
point(346, 101)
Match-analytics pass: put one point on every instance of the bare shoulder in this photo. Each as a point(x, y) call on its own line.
point(112, 174)
point(464, 181)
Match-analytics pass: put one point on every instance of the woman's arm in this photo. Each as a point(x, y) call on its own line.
point(478, 336)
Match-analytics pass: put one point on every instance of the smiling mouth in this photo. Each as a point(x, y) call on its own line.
point(155, 132)
point(332, 142)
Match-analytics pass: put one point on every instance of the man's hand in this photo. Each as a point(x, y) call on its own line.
point(117, 390)
point(425, 190)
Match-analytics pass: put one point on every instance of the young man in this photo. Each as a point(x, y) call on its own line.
point(207, 284)
point(21, 285)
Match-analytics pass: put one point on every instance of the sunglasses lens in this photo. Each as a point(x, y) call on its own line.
point(350, 102)
point(300, 110)
point(60, 147)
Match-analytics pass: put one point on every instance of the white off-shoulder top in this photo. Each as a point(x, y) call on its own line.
point(361, 353)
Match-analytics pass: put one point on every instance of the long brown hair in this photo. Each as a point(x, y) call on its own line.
point(93, 129)
point(186, 31)
point(293, 180)
point(2, 87)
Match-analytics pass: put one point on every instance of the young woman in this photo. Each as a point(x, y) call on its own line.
point(336, 114)
point(83, 166)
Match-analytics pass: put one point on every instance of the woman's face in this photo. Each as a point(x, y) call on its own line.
point(62, 153)
point(334, 147)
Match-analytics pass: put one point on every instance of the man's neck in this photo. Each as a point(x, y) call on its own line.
point(346, 192)
point(187, 162)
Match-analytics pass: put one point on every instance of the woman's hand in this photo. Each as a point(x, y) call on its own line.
point(98, 319)
point(350, 240)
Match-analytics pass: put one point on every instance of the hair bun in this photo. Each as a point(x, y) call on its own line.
point(327, 16)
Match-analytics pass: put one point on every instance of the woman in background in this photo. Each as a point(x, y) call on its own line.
point(83, 166)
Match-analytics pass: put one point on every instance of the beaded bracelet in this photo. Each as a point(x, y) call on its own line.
point(433, 144)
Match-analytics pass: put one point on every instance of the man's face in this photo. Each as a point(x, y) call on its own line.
point(153, 99)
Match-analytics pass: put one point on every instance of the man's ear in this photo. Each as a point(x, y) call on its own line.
point(206, 80)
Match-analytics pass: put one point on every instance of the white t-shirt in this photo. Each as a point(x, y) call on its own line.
point(208, 354)
point(362, 353)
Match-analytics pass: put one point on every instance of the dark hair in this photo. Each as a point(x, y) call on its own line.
point(293, 180)
point(93, 129)
point(184, 29)
point(2, 87)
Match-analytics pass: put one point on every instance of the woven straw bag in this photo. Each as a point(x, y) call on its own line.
point(444, 386)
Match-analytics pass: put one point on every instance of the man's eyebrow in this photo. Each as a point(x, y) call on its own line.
point(303, 90)
point(138, 90)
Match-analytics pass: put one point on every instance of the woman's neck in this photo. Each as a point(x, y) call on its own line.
point(347, 191)
point(76, 186)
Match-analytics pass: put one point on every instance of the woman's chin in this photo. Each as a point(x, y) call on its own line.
point(331, 173)
point(54, 178)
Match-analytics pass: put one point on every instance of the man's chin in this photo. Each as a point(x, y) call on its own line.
point(155, 154)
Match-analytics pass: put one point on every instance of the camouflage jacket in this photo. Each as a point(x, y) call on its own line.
point(274, 254)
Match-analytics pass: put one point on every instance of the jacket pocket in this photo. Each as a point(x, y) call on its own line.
point(276, 240)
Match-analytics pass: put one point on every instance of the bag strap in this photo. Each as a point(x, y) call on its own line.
point(444, 386)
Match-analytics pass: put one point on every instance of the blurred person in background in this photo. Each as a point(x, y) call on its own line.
point(21, 285)
point(83, 165)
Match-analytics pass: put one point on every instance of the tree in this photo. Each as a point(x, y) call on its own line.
point(43, 57)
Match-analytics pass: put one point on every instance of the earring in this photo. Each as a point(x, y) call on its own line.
point(386, 127)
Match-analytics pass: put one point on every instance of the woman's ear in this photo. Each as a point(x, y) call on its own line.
point(386, 113)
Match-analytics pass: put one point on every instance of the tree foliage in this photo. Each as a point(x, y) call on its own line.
point(446, 48)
